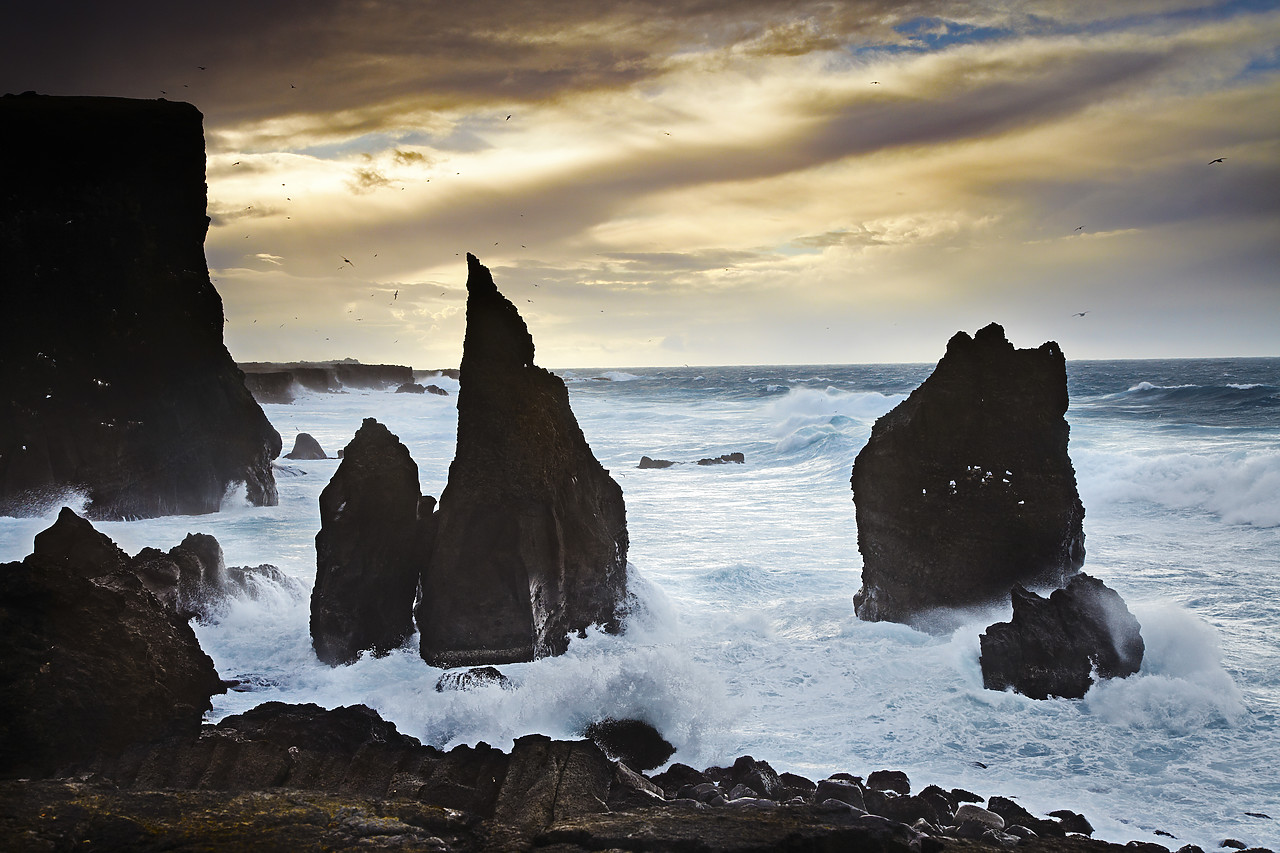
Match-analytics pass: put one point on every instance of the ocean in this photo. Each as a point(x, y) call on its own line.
point(743, 638)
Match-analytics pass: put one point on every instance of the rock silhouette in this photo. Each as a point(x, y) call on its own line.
point(966, 489)
point(91, 662)
point(369, 549)
point(116, 381)
point(530, 540)
point(1053, 646)
point(305, 446)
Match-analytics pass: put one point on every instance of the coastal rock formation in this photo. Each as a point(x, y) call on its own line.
point(411, 388)
point(531, 539)
point(966, 488)
point(724, 459)
point(292, 777)
point(633, 742)
point(306, 447)
point(1054, 646)
point(116, 382)
point(368, 550)
point(90, 661)
point(281, 382)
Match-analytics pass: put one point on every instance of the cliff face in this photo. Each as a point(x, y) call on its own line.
point(115, 379)
point(966, 489)
point(530, 539)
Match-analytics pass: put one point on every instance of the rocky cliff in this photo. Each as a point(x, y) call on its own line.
point(966, 488)
point(531, 538)
point(116, 381)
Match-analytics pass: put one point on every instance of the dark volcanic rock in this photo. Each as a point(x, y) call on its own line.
point(90, 661)
point(966, 488)
point(306, 447)
point(633, 742)
point(1053, 646)
point(116, 381)
point(411, 388)
point(723, 459)
point(468, 679)
point(646, 462)
point(274, 387)
point(368, 550)
point(531, 538)
point(437, 390)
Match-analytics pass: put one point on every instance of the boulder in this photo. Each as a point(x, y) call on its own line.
point(306, 447)
point(411, 388)
point(966, 489)
point(1054, 646)
point(530, 542)
point(91, 662)
point(633, 742)
point(646, 462)
point(437, 390)
point(116, 381)
point(368, 550)
point(469, 679)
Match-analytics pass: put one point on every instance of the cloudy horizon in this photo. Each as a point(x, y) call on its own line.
point(756, 182)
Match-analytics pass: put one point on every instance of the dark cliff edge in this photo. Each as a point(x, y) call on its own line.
point(116, 381)
point(281, 382)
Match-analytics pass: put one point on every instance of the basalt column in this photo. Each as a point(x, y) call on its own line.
point(530, 539)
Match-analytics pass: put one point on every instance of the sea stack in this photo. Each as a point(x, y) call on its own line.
point(368, 550)
point(530, 540)
point(966, 489)
point(1055, 646)
point(116, 382)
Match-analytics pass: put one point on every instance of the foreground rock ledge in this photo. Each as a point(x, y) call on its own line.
point(116, 382)
point(530, 541)
point(966, 488)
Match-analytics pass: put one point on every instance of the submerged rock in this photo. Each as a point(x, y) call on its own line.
point(1054, 646)
point(966, 488)
point(530, 541)
point(90, 661)
point(723, 459)
point(469, 679)
point(306, 447)
point(369, 549)
point(116, 381)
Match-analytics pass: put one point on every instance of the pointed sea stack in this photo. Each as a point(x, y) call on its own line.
point(115, 379)
point(531, 537)
point(966, 489)
point(368, 550)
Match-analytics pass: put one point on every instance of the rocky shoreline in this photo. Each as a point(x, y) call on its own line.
point(298, 777)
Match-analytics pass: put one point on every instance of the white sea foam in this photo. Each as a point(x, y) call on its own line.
point(1240, 486)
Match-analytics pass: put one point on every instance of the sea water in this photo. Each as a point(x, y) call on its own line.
point(743, 639)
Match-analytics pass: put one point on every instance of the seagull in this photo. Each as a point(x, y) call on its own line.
point(875, 82)
point(201, 67)
point(395, 296)
point(1079, 227)
point(508, 118)
point(1219, 160)
point(1079, 313)
point(346, 260)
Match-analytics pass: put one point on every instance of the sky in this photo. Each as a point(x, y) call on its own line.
point(711, 182)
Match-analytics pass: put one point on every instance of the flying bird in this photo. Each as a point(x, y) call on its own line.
point(1219, 160)
point(1079, 313)
point(201, 67)
point(508, 118)
point(346, 260)
point(1079, 227)
point(395, 296)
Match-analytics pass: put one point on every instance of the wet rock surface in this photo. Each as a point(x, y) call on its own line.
point(116, 382)
point(530, 541)
point(1055, 646)
point(369, 549)
point(966, 488)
